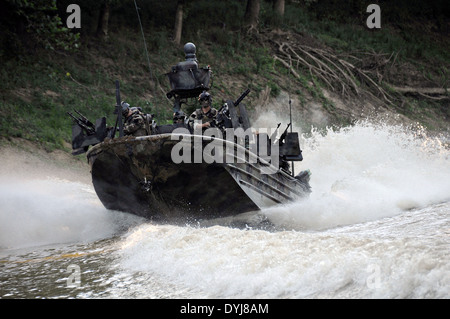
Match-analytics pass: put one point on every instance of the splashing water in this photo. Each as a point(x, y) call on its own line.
point(375, 225)
point(36, 212)
point(365, 172)
point(356, 236)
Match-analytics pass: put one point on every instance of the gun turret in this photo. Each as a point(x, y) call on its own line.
point(85, 133)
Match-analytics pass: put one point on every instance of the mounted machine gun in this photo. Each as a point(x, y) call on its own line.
point(85, 133)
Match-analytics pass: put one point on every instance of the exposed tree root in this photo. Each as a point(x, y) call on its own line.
point(347, 74)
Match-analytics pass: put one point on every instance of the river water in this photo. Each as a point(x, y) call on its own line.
point(377, 225)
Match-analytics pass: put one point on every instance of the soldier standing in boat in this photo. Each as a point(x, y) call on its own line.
point(203, 117)
point(179, 117)
point(136, 122)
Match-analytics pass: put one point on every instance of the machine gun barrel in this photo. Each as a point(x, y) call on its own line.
point(243, 95)
point(84, 123)
point(84, 119)
point(283, 136)
point(274, 135)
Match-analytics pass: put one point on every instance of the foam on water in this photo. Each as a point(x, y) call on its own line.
point(222, 262)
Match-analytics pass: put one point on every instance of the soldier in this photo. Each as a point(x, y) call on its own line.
point(136, 123)
point(179, 117)
point(206, 114)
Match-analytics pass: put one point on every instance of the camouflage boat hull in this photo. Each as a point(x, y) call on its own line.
point(138, 175)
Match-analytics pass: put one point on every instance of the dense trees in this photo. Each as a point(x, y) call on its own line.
point(28, 24)
point(42, 23)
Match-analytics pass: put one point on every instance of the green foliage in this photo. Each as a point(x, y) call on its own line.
point(42, 24)
point(274, 89)
point(263, 60)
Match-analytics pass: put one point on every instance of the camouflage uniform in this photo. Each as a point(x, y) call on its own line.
point(136, 124)
point(198, 115)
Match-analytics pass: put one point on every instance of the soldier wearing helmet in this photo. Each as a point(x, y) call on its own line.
point(179, 117)
point(203, 117)
point(136, 123)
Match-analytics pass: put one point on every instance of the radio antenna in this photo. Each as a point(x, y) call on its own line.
point(290, 120)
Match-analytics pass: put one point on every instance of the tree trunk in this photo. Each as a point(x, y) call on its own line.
point(278, 7)
point(252, 13)
point(103, 20)
point(278, 13)
point(178, 22)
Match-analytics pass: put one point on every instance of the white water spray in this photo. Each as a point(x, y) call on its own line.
point(53, 211)
point(365, 172)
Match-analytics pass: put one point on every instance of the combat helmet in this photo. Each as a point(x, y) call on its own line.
point(179, 117)
point(125, 108)
point(205, 96)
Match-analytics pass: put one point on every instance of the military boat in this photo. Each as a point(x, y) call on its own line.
point(176, 172)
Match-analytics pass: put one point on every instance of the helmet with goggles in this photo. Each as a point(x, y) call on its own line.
point(205, 96)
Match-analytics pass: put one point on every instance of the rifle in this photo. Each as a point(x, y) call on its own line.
point(83, 122)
